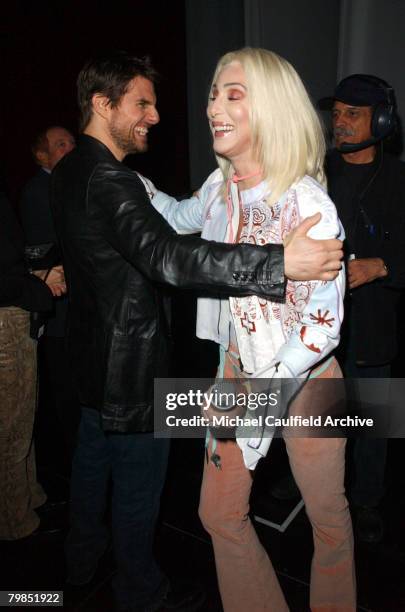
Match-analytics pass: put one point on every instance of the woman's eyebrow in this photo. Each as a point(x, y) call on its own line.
point(233, 84)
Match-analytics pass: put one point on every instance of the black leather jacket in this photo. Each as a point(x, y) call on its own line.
point(116, 249)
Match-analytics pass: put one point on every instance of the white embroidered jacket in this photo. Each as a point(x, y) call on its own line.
point(295, 334)
point(305, 327)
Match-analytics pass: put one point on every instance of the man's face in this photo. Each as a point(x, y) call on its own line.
point(351, 123)
point(60, 142)
point(129, 122)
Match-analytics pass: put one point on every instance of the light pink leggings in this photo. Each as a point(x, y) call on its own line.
point(246, 577)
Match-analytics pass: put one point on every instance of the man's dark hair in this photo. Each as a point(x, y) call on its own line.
point(110, 76)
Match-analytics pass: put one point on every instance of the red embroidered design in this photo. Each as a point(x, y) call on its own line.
point(250, 326)
point(262, 230)
point(321, 319)
point(258, 216)
point(312, 346)
point(264, 309)
point(289, 218)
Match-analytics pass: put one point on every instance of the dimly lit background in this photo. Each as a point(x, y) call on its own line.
point(44, 46)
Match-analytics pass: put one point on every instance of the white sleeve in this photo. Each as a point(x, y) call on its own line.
point(186, 217)
point(318, 331)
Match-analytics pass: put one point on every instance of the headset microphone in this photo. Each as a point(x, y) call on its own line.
point(353, 147)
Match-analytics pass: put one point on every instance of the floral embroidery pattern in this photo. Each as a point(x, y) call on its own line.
point(264, 224)
point(311, 346)
point(263, 326)
point(321, 319)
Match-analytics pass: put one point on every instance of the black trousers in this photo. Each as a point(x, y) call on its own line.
point(58, 411)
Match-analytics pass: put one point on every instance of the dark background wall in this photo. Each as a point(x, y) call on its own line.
point(303, 32)
point(325, 40)
point(43, 46)
point(213, 28)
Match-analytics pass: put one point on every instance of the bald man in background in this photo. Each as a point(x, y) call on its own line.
point(59, 412)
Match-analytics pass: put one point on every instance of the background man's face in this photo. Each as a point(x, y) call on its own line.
point(60, 142)
point(351, 123)
point(136, 112)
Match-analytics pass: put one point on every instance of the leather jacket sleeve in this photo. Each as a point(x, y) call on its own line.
point(118, 203)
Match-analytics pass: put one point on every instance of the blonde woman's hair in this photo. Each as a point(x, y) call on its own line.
point(287, 135)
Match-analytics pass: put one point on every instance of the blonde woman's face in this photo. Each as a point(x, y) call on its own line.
point(228, 114)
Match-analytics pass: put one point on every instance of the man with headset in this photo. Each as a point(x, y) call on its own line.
point(368, 187)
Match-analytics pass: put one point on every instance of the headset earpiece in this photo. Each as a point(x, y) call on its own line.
point(383, 120)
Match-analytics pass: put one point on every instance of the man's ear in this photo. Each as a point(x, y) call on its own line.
point(42, 158)
point(101, 105)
